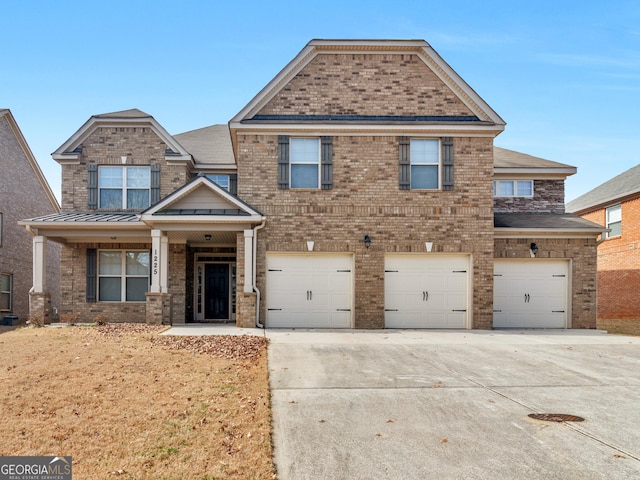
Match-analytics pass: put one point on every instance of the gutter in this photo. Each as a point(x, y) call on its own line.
point(255, 274)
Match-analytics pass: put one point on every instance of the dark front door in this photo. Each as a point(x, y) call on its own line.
point(216, 287)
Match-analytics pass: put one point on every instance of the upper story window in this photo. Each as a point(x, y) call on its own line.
point(614, 221)
point(425, 164)
point(513, 188)
point(304, 162)
point(221, 180)
point(124, 187)
point(6, 281)
point(123, 275)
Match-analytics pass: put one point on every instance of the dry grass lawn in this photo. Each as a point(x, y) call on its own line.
point(125, 403)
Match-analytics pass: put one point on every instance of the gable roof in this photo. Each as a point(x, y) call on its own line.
point(512, 162)
point(626, 184)
point(482, 117)
point(69, 151)
point(33, 163)
point(174, 208)
point(209, 146)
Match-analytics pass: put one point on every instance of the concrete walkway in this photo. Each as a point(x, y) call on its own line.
point(414, 404)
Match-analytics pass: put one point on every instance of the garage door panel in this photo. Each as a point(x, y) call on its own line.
point(531, 294)
point(422, 291)
point(309, 291)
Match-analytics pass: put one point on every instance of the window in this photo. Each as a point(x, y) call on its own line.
point(425, 164)
point(513, 188)
point(305, 162)
point(614, 221)
point(6, 281)
point(124, 187)
point(221, 180)
point(123, 275)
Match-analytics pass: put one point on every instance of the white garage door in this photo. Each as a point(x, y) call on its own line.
point(426, 291)
point(311, 291)
point(530, 293)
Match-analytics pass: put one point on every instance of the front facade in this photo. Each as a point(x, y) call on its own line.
point(359, 189)
point(615, 205)
point(24, 192)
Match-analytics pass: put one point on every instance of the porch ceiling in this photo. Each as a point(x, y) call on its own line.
point(198, 238)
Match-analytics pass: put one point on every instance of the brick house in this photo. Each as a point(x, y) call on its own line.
point(24, 192)
point(616, 206)
point(359, 189)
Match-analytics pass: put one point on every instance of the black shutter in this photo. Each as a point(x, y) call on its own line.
point(233, 184)
point(405, 163)
point(283, 161)
point(326, 162)
point(447, 163)
point(92, 269)
point(92, 186)
point(155, 183)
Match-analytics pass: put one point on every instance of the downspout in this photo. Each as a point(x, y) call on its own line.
point(255, 265)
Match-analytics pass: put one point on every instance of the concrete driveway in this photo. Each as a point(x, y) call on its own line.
point(454, 405)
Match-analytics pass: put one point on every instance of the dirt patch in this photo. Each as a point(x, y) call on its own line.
point(623, 327)
point(126, 403)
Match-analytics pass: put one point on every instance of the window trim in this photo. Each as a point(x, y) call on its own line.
point(496, 191)
point(437, 164)
point(123, 276)
point(8, 292)
point(292, 162)
point(124, 188)
point(607, 211)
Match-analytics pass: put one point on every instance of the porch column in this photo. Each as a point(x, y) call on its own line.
point(39, 298)
point(248, 261)
point(159, 262)
point(164, 264)
point(39, 264)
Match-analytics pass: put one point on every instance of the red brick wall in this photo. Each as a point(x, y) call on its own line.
point(619, 265)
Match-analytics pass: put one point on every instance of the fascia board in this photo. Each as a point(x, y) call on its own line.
point(454, 81)
point(565, 171)
point(63, 155)
point(196, 223)
point(504, 232)
point(368, 129)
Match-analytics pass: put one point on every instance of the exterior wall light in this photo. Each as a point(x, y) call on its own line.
point(310, 244)
point(367, 241)
point(429, 246)
point(207, 237)
point(533, 250)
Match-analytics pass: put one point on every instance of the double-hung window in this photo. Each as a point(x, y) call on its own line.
point(425, 164)
point(614, 221)
point(124, 187)
point(513, 188)
point(123, 275)
point(220, 180)
point(6, 281)
point(304, 161)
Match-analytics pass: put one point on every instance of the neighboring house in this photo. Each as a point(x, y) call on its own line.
point(616, 206)
point(24, 192)
point(356, 190)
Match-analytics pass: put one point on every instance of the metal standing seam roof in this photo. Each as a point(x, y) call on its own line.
point(83, 217)
point(611, 191)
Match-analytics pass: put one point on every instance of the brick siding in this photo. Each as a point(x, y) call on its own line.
point(365, 199)
point(619, 265)
point(582, 253)
point(548, 197)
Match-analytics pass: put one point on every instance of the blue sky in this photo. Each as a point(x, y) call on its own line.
point(564, 75)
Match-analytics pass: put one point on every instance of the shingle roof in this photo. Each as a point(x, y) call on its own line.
point(131, 113)
point(209, 145)
point(550, 221)
point(611, 191)
point(503, 158)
